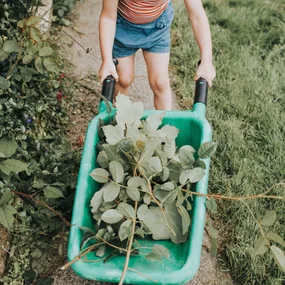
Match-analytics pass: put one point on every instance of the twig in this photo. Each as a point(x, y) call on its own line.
point(43, 204)
point(114, 246)
point(131, 269)
point(129, 246)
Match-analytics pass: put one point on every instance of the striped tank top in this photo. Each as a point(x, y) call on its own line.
point(141, 11)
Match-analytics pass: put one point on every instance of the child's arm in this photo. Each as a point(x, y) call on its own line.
point(201, 29)
point(107, 28)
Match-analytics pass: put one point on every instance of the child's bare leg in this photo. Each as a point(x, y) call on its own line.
point(125, 71)
point(157, 67)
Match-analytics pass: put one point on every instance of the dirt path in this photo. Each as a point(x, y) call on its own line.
point(85, 31)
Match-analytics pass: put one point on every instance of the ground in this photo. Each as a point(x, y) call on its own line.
point(86, 65)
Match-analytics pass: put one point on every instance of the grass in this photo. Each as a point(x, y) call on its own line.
point(246, 110)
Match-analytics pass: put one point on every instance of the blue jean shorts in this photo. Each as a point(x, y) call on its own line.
point(151, 37)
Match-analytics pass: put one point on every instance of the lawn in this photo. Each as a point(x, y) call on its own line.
point(246, 110)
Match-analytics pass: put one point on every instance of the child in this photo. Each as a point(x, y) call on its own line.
point(128, 25)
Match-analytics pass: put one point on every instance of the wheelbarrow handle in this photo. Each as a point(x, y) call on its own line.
point(201, 90)
point(109, 83)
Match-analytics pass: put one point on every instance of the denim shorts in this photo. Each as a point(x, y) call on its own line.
point(151, 37)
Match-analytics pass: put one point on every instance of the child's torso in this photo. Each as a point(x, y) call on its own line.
point(141, 11)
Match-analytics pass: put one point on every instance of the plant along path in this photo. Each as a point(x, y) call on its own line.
point(85, 31)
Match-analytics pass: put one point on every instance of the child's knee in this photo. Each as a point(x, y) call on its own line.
point(159, 85)
point(126, 81)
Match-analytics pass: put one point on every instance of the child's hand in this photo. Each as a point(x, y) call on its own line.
point(206, 71)
point(108, 68)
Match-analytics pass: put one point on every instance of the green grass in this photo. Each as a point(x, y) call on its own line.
point(246, 109)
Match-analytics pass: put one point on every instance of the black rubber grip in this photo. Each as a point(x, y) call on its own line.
point(109, 83)
point(201, 91)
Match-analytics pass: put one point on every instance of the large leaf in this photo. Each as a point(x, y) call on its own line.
point(39, 65)
point(278, 256)
point(113, 134)
point(161, 250)
point(127, 112)
point(117, 171)
point(185, 219)
point(151, 145)
point(7, 147)
point(50, 65)
point(170, 148)
point(207, 149)
point(196, 174)
point(127, 210)
point(275, 237)
point(168, 186)
point(125, 230)
point(138, 183)
point(11, 46)
point(151, 166)
point(111, 191)
point(27, 59)
point(135, 195)
point(100, 175)
point(52, 192)
point(4, 84)
point(152, 123)
point(6, 197)
point(112, 216)
point(260, 246)
point(142, 212)
point(96, 201)
point(46, 51)
point(12, 165)
point(269, 218)
point(7, 215)
point(168, 133)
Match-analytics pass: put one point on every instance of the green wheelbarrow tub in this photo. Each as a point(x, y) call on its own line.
point(184, 258)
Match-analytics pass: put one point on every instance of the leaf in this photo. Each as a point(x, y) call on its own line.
point(260, 246)
point(165, 174)
point(162, 156)
point(127, 112)
point(212, 205)
point(200, 163)
point(142, 212)
point(184, 176)
point(153, 257)
point(138, 183)
point(134, 194)
point(110, 150)
point(35, 34)
point(117, 171)
point(146, 198)
point(186, 155)
point(278, 256)
point(150, 147)
point(151, 166)
point(275, 237)
point(112, 216)
point(7, 147)
point(39, 65)
point(168, 133)
point(96, 201)
point(100, 175)
point(127, 210)
point(185, 219)
point(32, 21)
point(196, 174)
point(161, 250)
point(125, 230)
point(168, 186)
point(113, 134)
point(11, 46)
point(269, 218)
point(152, 123)
point(170, 148)
point(102, 159)
point(3, 55)
point(6, 197)
point(107, 103)
point(7, 216)
point(52, 192)
point(27, 59)
point(100, 252)
point(207, 149)
point(12, 165)
point(125, 146)
point(45, 51)
point(111, 191)
point(21, 23)
point(4, 84)
point(50, 65)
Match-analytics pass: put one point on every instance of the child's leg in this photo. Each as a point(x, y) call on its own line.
point(157, 67)
point(125, 71)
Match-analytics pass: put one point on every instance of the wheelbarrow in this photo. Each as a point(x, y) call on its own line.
point(184, 258)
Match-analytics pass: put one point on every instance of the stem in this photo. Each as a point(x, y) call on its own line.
point(43, 204)
point(114, 246)
point(131, 269)
point(129, 247)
